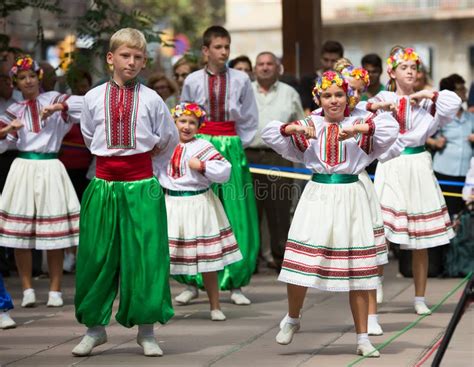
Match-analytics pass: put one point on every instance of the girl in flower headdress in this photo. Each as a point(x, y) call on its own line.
point(39, 208)
point(414, 210)
point(358, 81)
point(200, 237)
point(331, 244)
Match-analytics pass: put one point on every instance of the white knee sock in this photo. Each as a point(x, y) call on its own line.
point(419, 299)
point(373, 319)
point(95, 331)
point(363, 338)
point(293, 321)
point(146, 330)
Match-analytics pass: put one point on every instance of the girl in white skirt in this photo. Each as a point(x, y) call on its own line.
point(358, 81)
point(39, 208)
point(200, 237)
point(331, 244)
point(413, 207)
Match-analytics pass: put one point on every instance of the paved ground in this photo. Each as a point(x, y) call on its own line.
point(46, 336)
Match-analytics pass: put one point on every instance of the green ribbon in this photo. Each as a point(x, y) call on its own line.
point(37, 156)
point(334, 178)
point(185, 193)
point(414, 150)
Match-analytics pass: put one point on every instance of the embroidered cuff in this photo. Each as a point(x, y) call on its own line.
point(435, 97)
point(282, 129)
point(371, 124)
point(369, 107)
point(202, 169)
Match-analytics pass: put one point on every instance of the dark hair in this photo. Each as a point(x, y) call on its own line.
point(241, 58)
point(333, 47)
point(372, 59)
point(450, 82)
point(213, 32)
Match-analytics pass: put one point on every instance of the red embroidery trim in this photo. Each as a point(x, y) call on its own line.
point(34, 115)
point(176, 161)
point(282, 129)
point(332, 144)
point(433, 106)
point(401, 113)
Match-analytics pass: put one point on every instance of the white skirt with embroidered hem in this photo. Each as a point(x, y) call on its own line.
point(331, 240)
point(377, 219)
point(413, 207)
point(200, 237)
point(39, 208)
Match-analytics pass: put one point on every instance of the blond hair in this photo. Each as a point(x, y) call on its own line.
point(129, 37)
point(341, 64)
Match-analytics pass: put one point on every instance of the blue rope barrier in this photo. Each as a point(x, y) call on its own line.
point(306, 171)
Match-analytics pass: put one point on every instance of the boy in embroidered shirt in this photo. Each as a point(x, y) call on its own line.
point(123, 218)
point(200, 237)
point(232, 124)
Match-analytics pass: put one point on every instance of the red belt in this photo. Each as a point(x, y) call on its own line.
point(124, 168)
point(225, 128)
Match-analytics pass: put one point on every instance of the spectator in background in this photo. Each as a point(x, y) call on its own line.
point(165, 88)
point(373, 64)
point(453, 144)
point(181, 69)
point(48, 83)
point(275, 101)
point(331, 51)
point(242, 63)
point(423, 80)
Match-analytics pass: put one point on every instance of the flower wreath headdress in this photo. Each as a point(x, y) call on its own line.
point(189, 108)
point(25, 62)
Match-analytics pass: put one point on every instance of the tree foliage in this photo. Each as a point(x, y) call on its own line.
point(190, 17)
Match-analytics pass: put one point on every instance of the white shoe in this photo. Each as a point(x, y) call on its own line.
point(366, 349)
point(238, 298)
point(285, 336)
point(284, 320)
point(84, 348)
point(150, 346)
point(55, 299)
point(187, 295)
point(217, 315)
point(422, 309)
point(6, 322)
point(374, 329)
point(29, 298)
point(379, 293)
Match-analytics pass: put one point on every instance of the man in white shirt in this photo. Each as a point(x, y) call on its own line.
point(275, 101)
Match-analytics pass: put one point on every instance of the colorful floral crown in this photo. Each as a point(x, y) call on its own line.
point(356, 73)
point(187, 108)
point(402, 55)
point(25, 62)
point(326, 80)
